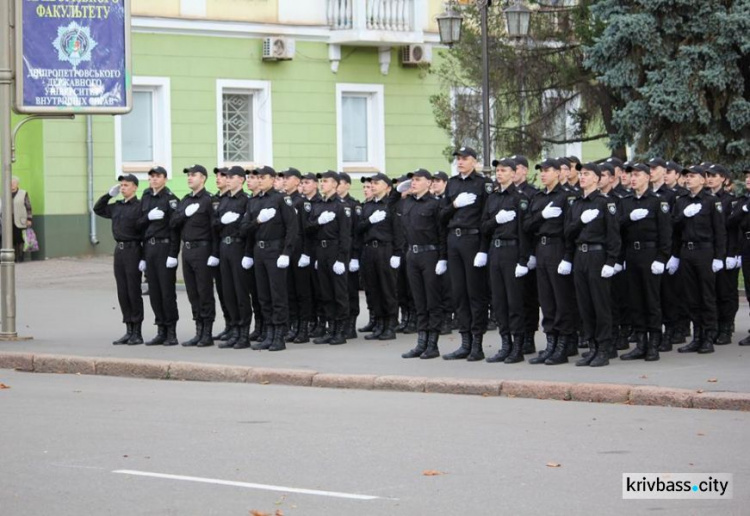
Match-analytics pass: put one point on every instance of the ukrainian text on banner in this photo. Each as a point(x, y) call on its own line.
point(73, 56)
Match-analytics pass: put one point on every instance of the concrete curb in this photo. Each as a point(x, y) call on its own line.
point(536, 389)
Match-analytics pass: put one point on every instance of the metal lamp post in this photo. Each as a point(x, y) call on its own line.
point(517, 19)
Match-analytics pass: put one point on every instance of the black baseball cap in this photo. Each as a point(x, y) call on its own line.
point(607, 167)
point(548, 163)
point(265, 171)
point(520, 160)
point(222, 170)
point(420, 172)
point(158, 170)
point(673, 165)
point(505, 162)
point(329, 173)
point(196, 168)
point(128, 177)
point(235, 171)
point(465, 151)
point(566, 161)
point(657, 162)
point(718, 169)
point(310, 176)
point(638, 166)
point(573, 159)
point(590, 166)
point(694, 169)
point(343, 176)
point(615, 162)
point(378, 177)
point(291, 172)
point(442, 176)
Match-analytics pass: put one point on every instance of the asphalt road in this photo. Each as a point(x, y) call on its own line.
point(73, 445)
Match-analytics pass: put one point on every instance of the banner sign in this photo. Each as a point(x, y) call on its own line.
point(73, 56)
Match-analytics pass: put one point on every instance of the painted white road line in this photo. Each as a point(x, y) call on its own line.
point(250, 485)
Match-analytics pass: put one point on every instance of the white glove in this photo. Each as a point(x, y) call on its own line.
point(155, 214)
point(395, 262)
point(717, 265)
point(282, 262)
point(378, 216)
point(504, 216)
point(672, 265)
point(589, 215)
point(229, 217)
point(316, 265)
point(464, 199)
point(247, 262)
point(304, 261)
point(638, 214)
point(657, 268)
point(266, 214)
point(114, 191)
point(692, 209)
point(441, 267)
point(731, 262)
point(191, 209)
point(531, 263)
point(142, 266)
point(551, 212)
point(212, 261)
point(480, 260)
point(744, 208)
point(565, 268)
point(521, 271)
point(339, 268)
point(171, 262)
point(404, 187)
point(618, 268)
point(353, 265)
point(326, 217)
point(608, 271)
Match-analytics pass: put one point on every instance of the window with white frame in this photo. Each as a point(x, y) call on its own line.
point(143, 137)
point(243, 121)
point(360, 125)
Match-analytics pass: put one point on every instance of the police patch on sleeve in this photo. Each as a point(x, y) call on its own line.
point(348, 211)
point(358, 210)
point(571, 200)
point(524, 204)
point(288, 200)
point(488, 187)
point(612, 207)
point(718, 207)
point(173, 204)
point(665, 207)
point(215, 204)
point(308, 207)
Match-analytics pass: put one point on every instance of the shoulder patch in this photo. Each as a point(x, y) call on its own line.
point(524, 204)
point(215, 204)
point(288, 200)
point(308, 206)
point(571, 200)
point(665, 207)
point(173, 203)
point(488, 187)
point(612, 208)
point(358, 210)
point(718, 207)
point(348, 211)
point(734, 203)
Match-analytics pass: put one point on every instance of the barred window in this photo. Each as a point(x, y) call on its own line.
point(238, 127)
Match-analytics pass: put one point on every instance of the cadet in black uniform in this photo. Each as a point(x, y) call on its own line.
point(194, 219)
point(271, 227)
point(647, 238)
point(345, 184)
point(129, 263)
point(307, 277)
point(502, 227)
point(437, 189)
point(467, 253)
point(161, 247)
point(699, 228)
point(673, 284)
point(741, 217)
point(221, 187)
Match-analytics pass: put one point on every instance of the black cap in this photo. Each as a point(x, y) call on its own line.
point(196, 168)
point(520, 160)
point(718, 169)
point(343, 176)
point(615, 162)
point(673, 165)
point(311, 176)
point(607, 167)
point(637, 166)
point(378, 177)
point(265, 171)
point(657, 162)
point(565, 161)
point(693, 169)
point(548, 163)
point(401, 179)
point(235, 171)
point(158, 170)
point(291, 172)
point(222, 170)
point(505, 162)
point(590, 166)
point(465, 151)
point(573, 159)
point(329, 173)
point(627, 165)
point(440, 175)
point(128, 177)
point(420, 172)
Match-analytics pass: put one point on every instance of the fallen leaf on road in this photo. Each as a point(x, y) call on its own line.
point(553, 464)
point(278, 512)
point(712, 380)
point(432, 473)
point(259, 513)
point(643, 376)
point(699, 391)
point(265, 382)
point(701, 434)
point(3, 386)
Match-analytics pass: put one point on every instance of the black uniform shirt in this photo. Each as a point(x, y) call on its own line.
point(389, 229)
point(468, 217)
point(656, 227)
point(199, 226)
point(705, 226)
point(236, 203)
point(167, 202)
point(528, 190)
point(421, 223)
point(283, 226)
point(356, 208)
point(509, 199)
point(537, 226)
point(728, 204)
point(604, 229)
point(339, 229)
point(124, 215)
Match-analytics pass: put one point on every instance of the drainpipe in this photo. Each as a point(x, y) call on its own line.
point(90, 173)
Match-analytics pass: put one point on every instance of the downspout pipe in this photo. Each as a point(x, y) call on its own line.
point(90, 174)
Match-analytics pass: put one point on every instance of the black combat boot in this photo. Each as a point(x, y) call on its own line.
point(668, 338)
point(724, 336)
point(171, 335)
point(198, 335)
point(269, 330)
point(327, 335)
point(303, 335)
point(370, 324)
point(411, 324)
point(278, 344)
point(560, 354)
point(745, 341)
point(160, 338)
point(243, 337)
point(125, 338)
point(547, 352)
point(432, 350)
point(588, 357)
point(707, 344)
point(639, 352)
point(463, 351)
point(571, 346)
point(207, 338)
point(622, 338)
point(257, 333)
point(695, 344)
point(653, 345)
point(389, 328)
point(400, 327)
point(678, 335)
point(225, 333)
point(135, 337)
point(603, 350)
point(339, 332)
point(351, 327)
point(477, 353)
point(445, 327)
point(491, 321)
point(420, 348)
point(503, 352)
point(529, 348)
point(516, 351)
point(231, 338)
point(320, 329)
point(377, 330)
point(293, 330)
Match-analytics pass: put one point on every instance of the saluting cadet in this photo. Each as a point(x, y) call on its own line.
point(221, 187)
point(502, 227)
point(345, 185)
point(467, 252)
point(742, 215)
point(129, 263)
point(647, 239)
point(316, 324)
point(700, 230)
point(437, 189)
point(425, 261)
point(194, 219)
point(161, 247)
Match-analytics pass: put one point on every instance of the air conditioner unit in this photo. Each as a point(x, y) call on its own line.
point(278, 49)
point(416, 55)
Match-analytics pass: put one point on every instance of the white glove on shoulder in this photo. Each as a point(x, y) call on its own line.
point(589, 215)
point(229, 217)
point(212, 261)
point(505, 216)
point(464, 199)
point(717, 265)
point(551, 212)
point(247, 262)
point(395, 262)
point(441, 267)
point(377, 216)
point(326, 217)
point(353, 265)
point(480, 260)
point(657, 268)
point(564, 268)
point(640, 213)
point(673, 264)
point(114, 191)
point(142, 266)
point(171, 262)
point(691, 210)
point(339, 268)
point(304, 261)
point(521, 271)
point(190, 209)
point(266, 214)
point(155, 214)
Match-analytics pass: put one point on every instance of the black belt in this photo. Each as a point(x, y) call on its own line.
point(196, 243)
point(263, 244)
point(462, 231)
point(128, 243)
point(500, 242)
point(422, 248)
point(697, 245)
point(585, 248)
point(154, 241)
point(232, 240)
point(642, 245)
point(548, 240)
point(375, 243)
point(326, 243)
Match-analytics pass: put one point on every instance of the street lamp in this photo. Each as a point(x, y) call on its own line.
point(517, 18)
point(449, 25)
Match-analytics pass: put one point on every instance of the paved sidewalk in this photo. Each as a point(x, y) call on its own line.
point(69, 307)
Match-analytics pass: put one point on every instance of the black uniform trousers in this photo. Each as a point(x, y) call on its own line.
point(353, 285)
point(673, 298)
point(220, 292)
point(235, 282)
point(333, 287)
point(593, 295)
point(621, 315)
point(128, 280)
point(530, 301)
point(271, 282)
point(199, 281)
point(299, 283)
point(425, 287)
point(507, 290)
point(556, 292)
point(727, 301)
point(469, 283)
point(162, 291)
point(700, 286)
point(380, 278)
point(746, 270)
point(446, 301)
point(644, 290)
point(404, 291)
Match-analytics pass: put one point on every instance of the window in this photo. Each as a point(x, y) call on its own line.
point(360, 127)
point(243, 110)
point(143, 137)
point(563, 125)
